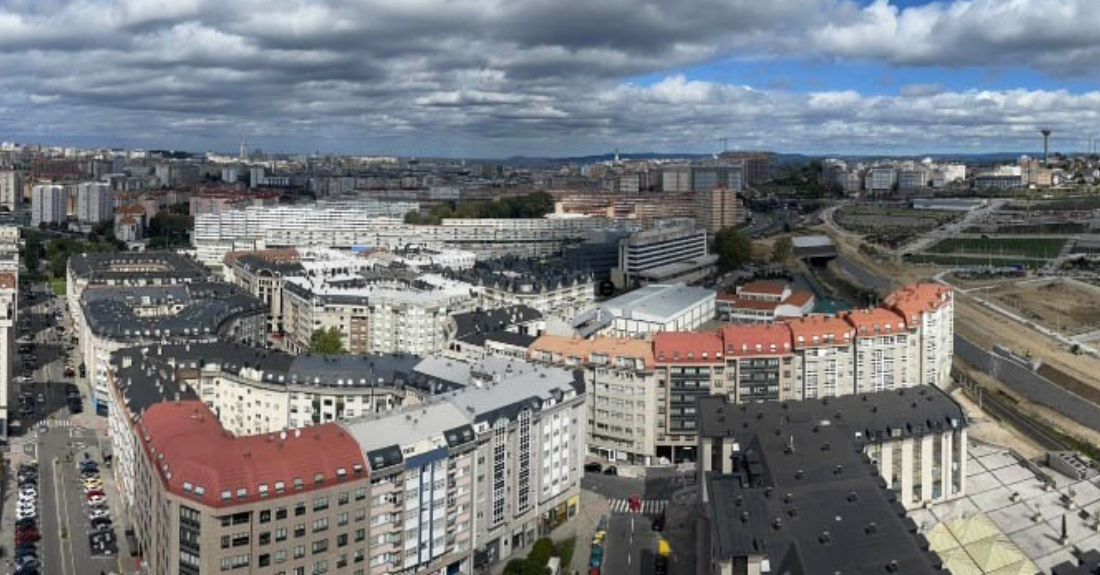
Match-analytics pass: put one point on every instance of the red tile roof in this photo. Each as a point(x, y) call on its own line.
point(913, 300)
point(7, 280)
point(764, 287)
point(191, 450)
point(875, 322)
point(687, 347)
point(130, 210)
point(815, 331)
point(757, 339)
point(799, 298)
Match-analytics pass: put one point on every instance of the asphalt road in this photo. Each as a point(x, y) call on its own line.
point(63, 519)
point(631, 543)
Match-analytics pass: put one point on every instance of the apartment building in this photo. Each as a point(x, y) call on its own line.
point(380, 225)
point(622, 392)
point(125, 268)
point(509, 281)
point(114, 317)
point(447, 486)
point(9, 318)
point(826, 483)
point(49, 204)
point(11, 189)
point(855, 352)
point(465, 481)
point(929, 313)
point(719, 208)
point(208, 502)
point(824, 364)
point(676, 178)
point(755, 165)
point(887, 355)
point(95, 202)
point(881, 179)
point(385, 313)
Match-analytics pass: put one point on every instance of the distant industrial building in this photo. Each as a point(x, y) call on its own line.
point(664, 254)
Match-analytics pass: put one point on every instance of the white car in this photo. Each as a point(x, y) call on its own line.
point(26, 512)
point(98, 513)
point(96, 499)
point(28, 491)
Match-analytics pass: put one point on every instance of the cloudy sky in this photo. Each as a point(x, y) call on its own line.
point(495, 78)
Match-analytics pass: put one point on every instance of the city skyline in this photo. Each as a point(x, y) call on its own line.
point(485, 79)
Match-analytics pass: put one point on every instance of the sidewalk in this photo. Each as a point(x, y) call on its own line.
point(583, 526)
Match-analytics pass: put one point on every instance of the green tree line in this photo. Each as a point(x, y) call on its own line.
point(533, 205)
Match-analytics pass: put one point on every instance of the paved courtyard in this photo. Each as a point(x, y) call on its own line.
point(1024, 507)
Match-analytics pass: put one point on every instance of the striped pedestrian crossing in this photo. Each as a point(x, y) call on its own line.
point(648, 506)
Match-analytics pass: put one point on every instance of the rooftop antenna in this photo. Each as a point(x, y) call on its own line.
point(725, 143)
point(1046, 142)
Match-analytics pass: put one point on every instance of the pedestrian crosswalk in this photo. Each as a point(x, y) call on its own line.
point(648, 506)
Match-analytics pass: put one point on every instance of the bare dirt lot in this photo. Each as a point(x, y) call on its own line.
point(1067, 307)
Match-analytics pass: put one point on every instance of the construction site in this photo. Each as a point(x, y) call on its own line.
point(1047, 321)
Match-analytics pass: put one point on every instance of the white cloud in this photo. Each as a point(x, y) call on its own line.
point(528, 76)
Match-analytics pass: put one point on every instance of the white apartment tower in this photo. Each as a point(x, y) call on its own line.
point(48, 204)
point(11, 189)
point(95, 202)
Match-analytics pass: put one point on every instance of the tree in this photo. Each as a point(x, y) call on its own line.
point(733, 247)
point(782, 250)
point(327, 341)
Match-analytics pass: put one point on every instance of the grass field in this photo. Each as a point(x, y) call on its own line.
point(58, 286)
point(973, 261)
point(1050, 228)
point(1025, 247)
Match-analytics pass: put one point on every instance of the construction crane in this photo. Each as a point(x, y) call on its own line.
point(725, 143)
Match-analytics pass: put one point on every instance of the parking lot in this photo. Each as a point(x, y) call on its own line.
point(54, 438)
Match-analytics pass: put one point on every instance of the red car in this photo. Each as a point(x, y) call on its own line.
point(26, 531)
point(94, 493)
point(28, 537)
point(635, 503)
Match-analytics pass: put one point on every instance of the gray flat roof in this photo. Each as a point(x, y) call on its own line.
point(408, 425)
point(657, 302)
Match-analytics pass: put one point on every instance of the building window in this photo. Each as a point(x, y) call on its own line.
point(320, 546)
point(280, 513)
point(280, 534)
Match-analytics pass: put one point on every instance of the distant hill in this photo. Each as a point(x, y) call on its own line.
point(530, 161)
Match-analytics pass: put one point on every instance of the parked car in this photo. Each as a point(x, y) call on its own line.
point(611, 470)
point(593, 467)
point(93, 499)
point(595, 559)
point(659, 523)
